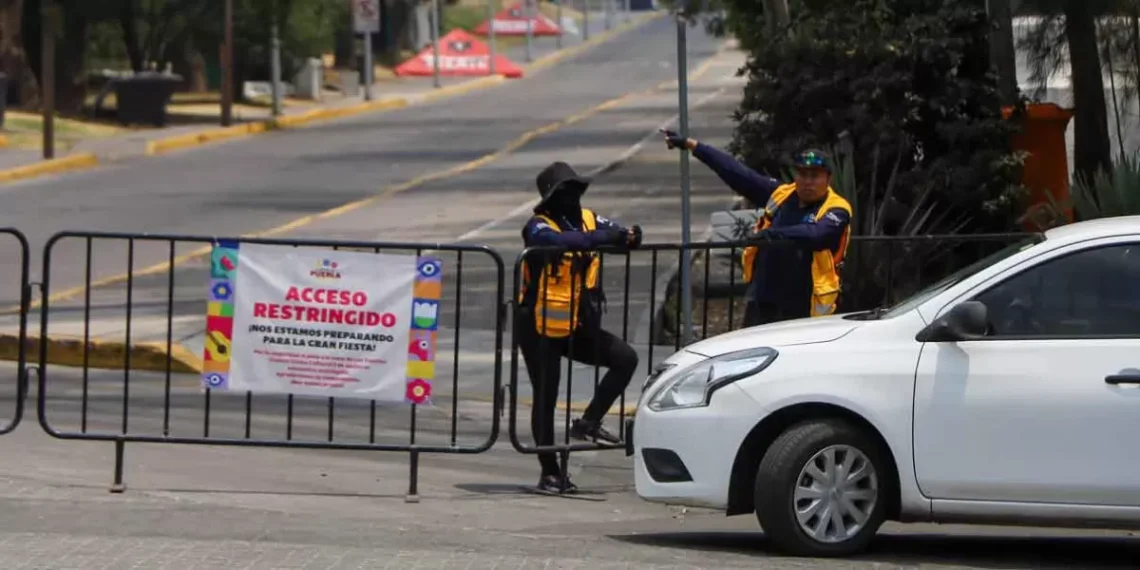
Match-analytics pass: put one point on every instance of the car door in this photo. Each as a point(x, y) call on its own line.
point(1046, 407)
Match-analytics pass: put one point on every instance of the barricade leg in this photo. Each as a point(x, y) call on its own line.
point(120, 448)
point(413, 478)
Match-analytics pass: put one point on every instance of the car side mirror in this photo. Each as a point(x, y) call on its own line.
point(966, 321)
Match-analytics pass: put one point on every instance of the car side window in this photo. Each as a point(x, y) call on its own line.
point(1093, 292)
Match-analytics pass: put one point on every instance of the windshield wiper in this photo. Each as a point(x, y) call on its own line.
point(872, 315)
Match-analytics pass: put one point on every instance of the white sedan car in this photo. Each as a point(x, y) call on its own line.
point(1006, 393)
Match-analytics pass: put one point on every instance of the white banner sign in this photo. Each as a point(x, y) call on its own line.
point(366, 16)
point(322, 323)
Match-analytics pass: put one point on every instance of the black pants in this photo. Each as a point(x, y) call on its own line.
point(762, 313)
point(543, 356)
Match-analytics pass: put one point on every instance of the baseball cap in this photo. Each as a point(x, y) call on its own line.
point(812, 158)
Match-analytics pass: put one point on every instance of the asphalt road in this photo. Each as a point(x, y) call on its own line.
point(487, 206)
point(224, 507)
point(255, 184)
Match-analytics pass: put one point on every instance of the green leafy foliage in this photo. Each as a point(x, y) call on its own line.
point(907, 85)
point(902, 95)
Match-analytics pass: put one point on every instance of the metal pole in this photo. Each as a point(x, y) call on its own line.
point(47, 64)
point(228, 67)
point(683, 114)
point(626, 8)
point(607, 9)
point(275, 62)
point(491, 34)
point(528, 15)
point(435, 42)
point(558, 15)
point(368, 68)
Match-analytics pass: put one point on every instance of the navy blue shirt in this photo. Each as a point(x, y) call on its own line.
point(537, 232)
point(780, 274)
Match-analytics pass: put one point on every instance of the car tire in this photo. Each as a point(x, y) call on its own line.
point(788, 490)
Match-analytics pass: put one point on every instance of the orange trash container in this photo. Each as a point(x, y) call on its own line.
point(1046, 169)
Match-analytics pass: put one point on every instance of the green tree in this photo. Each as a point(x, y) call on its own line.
point(1067, 35)
point(908, 85)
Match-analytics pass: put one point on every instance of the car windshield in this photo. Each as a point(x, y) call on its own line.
point(955, 278)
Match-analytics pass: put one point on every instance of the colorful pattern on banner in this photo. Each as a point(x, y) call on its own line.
point(311, 322)
point(426, 297)
point(220, 316)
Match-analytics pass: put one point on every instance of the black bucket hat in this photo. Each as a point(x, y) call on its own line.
point(559, 177)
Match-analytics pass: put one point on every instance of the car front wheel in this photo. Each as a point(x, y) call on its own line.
point(820, 490)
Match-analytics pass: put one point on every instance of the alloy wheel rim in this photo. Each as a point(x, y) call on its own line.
point(835, 494)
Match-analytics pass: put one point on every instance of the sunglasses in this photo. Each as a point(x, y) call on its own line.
point(811, 160)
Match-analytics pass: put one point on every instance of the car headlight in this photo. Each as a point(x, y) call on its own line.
point(693, 387)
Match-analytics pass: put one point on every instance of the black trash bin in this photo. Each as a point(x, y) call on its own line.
point(3, 97)
point(142, 98)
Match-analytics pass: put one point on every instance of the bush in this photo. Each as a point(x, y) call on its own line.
point(906, 87)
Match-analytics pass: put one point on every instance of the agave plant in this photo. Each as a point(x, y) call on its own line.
point(1106, 195)
point(878, 270)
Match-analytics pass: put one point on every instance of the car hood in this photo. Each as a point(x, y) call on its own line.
point(776, 335)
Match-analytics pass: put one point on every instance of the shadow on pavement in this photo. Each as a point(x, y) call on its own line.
point(520, 488)
point(997, 552)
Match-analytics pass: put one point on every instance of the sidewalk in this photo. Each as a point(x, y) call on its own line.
point(389, 93)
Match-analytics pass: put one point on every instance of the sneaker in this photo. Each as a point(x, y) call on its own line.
point(587, 431)
point(553, 484)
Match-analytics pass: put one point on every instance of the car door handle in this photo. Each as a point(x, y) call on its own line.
point(1116, 379)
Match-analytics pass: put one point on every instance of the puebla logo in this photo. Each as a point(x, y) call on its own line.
point(326, 269)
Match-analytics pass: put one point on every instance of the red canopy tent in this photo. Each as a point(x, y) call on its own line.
point(460, 54)
point(512, 22)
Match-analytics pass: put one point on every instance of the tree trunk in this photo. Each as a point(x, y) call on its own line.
point(71, 77)
point(345, 50)
point(1002, 52)
point(128, 19)
point(1093, 150)
point(13, 58)
point(1136, 41)
point(776, 12)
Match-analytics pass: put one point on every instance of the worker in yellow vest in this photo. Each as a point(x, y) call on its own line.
point(559, 312)
point(792, 280)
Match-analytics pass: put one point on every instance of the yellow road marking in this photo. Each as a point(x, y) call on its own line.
point(385, 193)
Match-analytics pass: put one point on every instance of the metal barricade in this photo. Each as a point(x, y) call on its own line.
point(15, 338)
point(158, 397)
point(877, 272)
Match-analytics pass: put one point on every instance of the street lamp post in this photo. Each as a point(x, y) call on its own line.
point(683, 114)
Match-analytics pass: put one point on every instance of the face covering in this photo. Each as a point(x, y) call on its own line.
point(566, 202)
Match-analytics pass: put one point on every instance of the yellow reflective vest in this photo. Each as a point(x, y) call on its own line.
point(824, 267)
point(558, 297)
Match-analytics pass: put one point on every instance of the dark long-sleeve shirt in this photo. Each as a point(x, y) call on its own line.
point(781, 274)
point(538, 232)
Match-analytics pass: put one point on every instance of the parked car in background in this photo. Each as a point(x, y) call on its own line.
point(1007, 393)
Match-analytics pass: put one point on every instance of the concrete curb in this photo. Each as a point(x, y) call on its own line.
point(180, 142)
point(153, 357)
point(571, 51)
point(162, 146)
point(68, 351)
point(53, 166)
point(170, 144)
